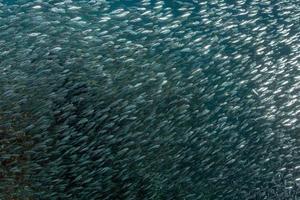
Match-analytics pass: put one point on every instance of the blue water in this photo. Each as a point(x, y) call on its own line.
point(96, 105)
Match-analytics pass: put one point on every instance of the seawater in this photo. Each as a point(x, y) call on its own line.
point(149, 99)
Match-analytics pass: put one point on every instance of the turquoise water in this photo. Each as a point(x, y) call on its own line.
point(149, 99)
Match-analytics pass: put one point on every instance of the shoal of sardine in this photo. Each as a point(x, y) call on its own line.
point(152, 100)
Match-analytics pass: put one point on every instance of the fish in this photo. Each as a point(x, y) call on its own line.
point(149, 99)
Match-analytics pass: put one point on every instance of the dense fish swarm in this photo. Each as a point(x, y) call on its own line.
point(150, 99)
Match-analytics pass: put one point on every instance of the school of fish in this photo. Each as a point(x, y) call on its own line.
point(162, 100)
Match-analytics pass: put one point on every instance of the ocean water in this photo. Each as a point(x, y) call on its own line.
point(149, 99)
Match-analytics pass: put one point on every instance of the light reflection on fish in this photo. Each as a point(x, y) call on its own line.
point(153, 100)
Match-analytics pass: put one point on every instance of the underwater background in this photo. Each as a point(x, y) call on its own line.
point(145, 99)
